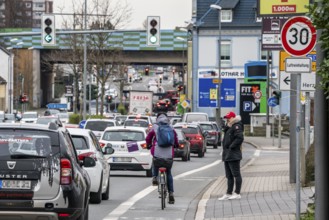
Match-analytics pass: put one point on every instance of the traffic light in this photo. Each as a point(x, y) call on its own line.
point(130, 78)
point(277, 96)
point(94, 92)
point(48, 31)
point(180, 88)
point(109, 99)
point(23, 98)
point(160, 80)
point(147, 71)
point(153, 31)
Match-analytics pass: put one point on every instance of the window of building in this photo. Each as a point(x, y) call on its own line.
point(28, 5)
point(39, 5)
point(226, 15)
point(225, 54)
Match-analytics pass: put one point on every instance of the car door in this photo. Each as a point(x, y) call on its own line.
point(99, 154)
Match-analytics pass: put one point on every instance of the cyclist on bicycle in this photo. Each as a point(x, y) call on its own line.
point(162, 157)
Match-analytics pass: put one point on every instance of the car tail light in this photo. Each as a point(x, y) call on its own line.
point(66, 172)
point(63, 214)
point(198, 137)
point(102, 144)
point(213, 133)
point(144, 146)
point(181, 145)
point(87, 154)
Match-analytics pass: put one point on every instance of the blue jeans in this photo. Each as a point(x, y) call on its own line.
point(167, 163)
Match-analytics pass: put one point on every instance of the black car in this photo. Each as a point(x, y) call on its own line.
point(41, 176)
point(183, 150)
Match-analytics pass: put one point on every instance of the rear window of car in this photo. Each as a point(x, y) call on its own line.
point(136, 123)
point(30, 115)
point(206, 127)
point(180, 134)
point(196, 117)
point(45, 121)
point(123, 136)
point(25, 143)
point(188, 130)
point(79, 142)
point(98, 125)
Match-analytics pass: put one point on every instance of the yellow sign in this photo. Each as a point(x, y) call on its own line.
point(282, 7)
point(213, 94)
point(182, 97)
point(215, 81)
point(284, 55)
point(185, 104)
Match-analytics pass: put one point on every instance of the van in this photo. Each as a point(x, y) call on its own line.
point(194, 117)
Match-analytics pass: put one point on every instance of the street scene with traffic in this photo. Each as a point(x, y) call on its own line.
point(190, 109)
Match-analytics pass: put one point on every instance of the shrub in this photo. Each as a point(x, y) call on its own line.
point(75, 118)
point(122, 109)
point(309, 160)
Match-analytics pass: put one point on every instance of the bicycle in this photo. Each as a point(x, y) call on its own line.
point(162, 186)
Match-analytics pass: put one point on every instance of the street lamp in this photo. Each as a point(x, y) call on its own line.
point(218, 110)
point(183, 63)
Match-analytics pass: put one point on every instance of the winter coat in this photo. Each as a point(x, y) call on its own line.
point(156, 151)
point(233, 139)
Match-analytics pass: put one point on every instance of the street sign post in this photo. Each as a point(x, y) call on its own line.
point(298, 36)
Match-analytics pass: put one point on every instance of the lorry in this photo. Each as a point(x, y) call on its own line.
point(141, 102)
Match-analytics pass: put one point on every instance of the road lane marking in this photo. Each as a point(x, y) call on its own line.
point(125, 206)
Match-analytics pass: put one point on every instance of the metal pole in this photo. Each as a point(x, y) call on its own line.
point(279, 127)
point(218, 109)
point(268, 126)
point(84, 64)
point(90, 96)
point(307, 121)
point(298, 123)
point(195, 64)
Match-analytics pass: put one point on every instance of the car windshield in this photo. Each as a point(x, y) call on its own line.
point(206, 127)
point(98, 125)
point(196, 117)
point(125, 135)
point(27, 144)
point(136, 123)
point(79, 142)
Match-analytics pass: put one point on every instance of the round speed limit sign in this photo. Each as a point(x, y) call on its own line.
point(298, 36)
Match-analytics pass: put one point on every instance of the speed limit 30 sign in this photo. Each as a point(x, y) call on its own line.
point(298, 36)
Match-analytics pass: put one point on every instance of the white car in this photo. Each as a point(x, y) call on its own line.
point(64, 117)
point(98, 125)
point(86, 144)
point(29, 117)
point(130, 149)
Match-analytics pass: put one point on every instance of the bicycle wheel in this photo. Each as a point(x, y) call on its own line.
point(163, 196)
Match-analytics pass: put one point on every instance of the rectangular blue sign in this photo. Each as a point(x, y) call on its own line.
point(209, 85)
point(56, 105)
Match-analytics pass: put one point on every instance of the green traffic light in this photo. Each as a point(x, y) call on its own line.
point(153, 39)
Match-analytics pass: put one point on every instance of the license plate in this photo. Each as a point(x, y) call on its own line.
point(15, 184)
point(121, 159)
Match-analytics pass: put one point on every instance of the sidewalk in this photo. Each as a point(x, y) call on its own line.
point(266, 189)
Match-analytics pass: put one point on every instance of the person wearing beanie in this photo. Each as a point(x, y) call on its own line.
point(232, 155)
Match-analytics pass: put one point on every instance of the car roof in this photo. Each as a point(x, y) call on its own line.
point(118, 128)
point(50, 127)
point(30, 112)
point(100, 119)
point(185, 124)
point(134, 119)
point(79, 131)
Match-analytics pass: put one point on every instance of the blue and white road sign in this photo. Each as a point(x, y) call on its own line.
point(82, 123)
point(272, 102)
point(57, 105)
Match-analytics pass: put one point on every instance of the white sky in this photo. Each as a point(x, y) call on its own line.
point(172, 12)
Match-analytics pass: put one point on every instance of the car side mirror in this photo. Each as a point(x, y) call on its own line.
point(108, 150)
point(89, 162)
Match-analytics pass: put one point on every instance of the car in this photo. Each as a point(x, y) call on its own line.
point(137, 123)
point(218, 129)
point(64, 117)
point(212, 134)
point(120, 119)
point(194, 117)
point(10, 118)
point(44, 176)
point(29, 117)
point(165, 75)
point(131, 152)
point(193, 133)
point(183, 150)
point(86, 143)
point(144, 117)
point(162, 106)
point(47, 119)
point(50, 112)
point(98, 125)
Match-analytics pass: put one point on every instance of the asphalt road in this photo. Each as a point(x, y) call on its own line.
point(133, 197)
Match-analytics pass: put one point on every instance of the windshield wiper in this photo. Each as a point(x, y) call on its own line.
point(16, 156)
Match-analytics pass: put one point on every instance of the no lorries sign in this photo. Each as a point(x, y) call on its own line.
point(298, 36)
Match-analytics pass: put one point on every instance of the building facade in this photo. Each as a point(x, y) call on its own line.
point(240, 31)
point(23, 13)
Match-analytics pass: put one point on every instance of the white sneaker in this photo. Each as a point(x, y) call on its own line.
point(235, 196)
point(225, 197)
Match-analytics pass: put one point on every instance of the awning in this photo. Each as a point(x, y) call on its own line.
point(228, 4)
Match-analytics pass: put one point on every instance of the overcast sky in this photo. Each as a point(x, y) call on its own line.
point(172, 12)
